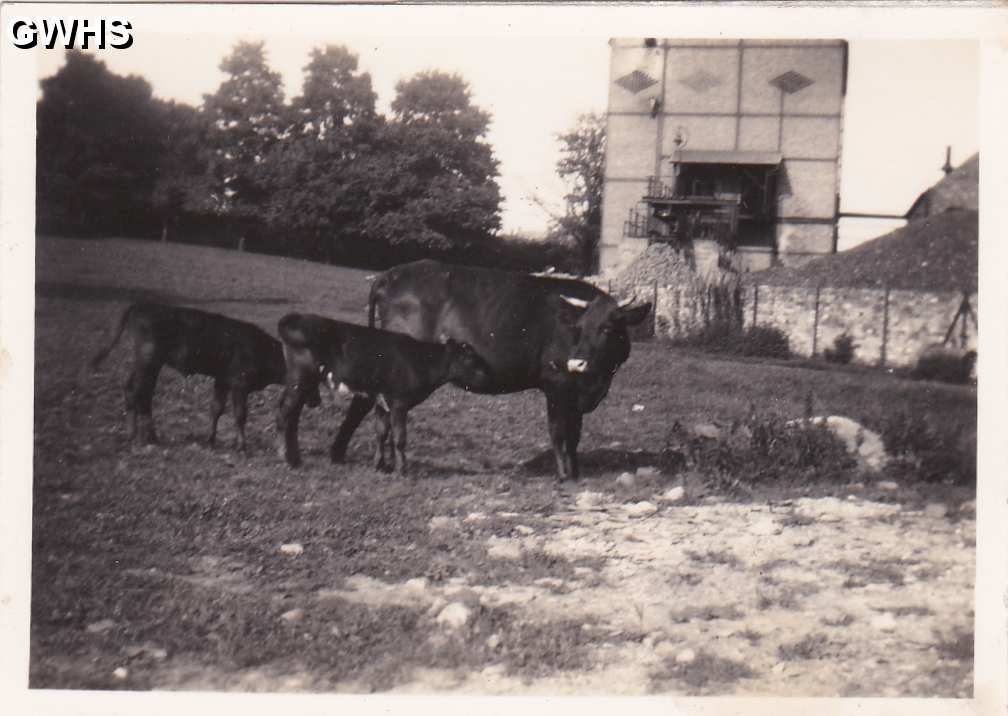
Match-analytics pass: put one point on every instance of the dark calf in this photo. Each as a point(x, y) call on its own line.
point(239, 356)
point(393, 370)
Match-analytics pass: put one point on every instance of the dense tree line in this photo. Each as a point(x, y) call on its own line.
point(323, 176)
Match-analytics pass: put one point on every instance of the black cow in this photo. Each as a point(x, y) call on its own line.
point(562, 336)
point(239, 356)
point(392, 369)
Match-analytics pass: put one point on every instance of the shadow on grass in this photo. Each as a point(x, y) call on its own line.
point(131, 294)
point(601, 461)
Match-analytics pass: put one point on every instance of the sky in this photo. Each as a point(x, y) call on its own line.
point(907, 98)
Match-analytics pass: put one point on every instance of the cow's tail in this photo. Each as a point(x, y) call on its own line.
point(291, 330)
point(377, 288)
point(115, 333)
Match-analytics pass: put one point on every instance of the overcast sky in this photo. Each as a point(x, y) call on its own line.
point(907, 99)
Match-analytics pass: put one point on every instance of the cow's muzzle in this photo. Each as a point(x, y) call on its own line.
point(577, 365)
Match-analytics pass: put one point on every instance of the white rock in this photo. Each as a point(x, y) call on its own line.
point(686, 656)
point(440, 522)
point(640, 509)
point(866, 444)
point(884, 622)
point(767, 526)
point(493, 641)
point(589, 500)
point(969, 506)
point(417, 584)
point(648, 471)
point(936, 510)
point(524, 530)
point(475, 517)
point(294, 615)
point(121, 673)
point(454, 616)
point(673, 494)
point(292, 549)
point(626, 480)
point(503, 548)
point(706, 430)
point(100, 627)
point(637, 407)
point(887, 485)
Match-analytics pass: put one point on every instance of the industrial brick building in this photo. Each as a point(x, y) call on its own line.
point(727, 148)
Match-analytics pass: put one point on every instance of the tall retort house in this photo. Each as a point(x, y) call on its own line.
point(729, 149)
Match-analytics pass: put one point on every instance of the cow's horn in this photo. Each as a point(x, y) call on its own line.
point(626, 302)
point(579, 302)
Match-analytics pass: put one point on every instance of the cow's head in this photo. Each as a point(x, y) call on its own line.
point(600, 344)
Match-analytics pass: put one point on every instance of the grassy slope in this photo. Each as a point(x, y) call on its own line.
point(112, 523)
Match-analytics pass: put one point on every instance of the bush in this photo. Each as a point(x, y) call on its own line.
point(842, 352)
point(769, 448)
point(944, 364)
point(927, 452)
point(726, 337)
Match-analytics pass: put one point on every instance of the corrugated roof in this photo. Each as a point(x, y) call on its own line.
point(937, 253)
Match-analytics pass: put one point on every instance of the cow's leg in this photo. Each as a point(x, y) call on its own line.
point(217, 404)
point(557, 415)
point(573, 439)
point(382, 428)
point(399, 437)
point(360, 406)
point(288, 415)
point(239, 405)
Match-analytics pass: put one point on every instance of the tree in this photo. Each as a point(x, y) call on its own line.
point(440, 186)
point(98, 139)
point(582, 167)
point(319, 174)
point(181, 186)
point(246, 118)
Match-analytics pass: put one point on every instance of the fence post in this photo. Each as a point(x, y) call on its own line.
point(885, 327)
point(654, 310)
point(815, 323)
point(755, 304)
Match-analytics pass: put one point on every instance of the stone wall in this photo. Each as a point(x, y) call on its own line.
point(888, 327)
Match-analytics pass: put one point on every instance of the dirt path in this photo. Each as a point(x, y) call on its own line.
point(812, 596)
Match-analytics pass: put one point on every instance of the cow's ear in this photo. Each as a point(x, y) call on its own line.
point(631, 315)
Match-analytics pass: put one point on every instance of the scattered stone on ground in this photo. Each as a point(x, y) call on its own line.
point(292, 549)
point(503, 548)
point(686, 656)
point(640, 509)
point(441, 522)
point(589, 500)
point(884, 622)
point(887, 485)
point(100, 627)
point(626, 480)
point(648, 471)
point(673, 494)
point(936, 509)
point(293, 615)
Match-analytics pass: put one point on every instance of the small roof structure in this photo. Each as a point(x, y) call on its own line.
point(936, 253)
point(958, 189)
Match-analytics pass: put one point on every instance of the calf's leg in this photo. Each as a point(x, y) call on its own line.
point(360, 406)
point(399, 437)
point(382, 423)
point(288, 415)
point(239, 404)
point(217, 404)
point(144, 403)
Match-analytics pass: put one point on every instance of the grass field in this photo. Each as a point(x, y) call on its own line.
point(161, 567)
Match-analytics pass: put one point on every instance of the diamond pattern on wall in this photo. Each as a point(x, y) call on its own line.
point(636, 81)
point(791, 81)
point(700, 81)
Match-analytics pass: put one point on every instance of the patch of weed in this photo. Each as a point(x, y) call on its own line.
point(813, 646)
point(704, 671)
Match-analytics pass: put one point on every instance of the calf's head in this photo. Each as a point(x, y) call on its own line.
point(465, 366)
point(600, 344)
